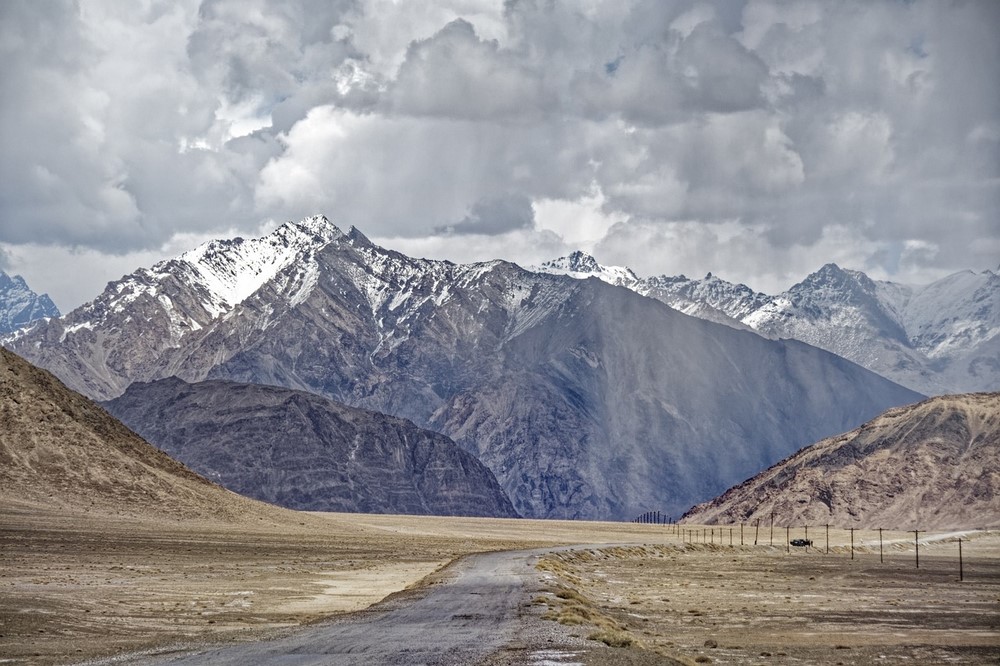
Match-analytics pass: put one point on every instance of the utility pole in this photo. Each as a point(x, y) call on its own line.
point(756, 532)
point(852, 543)
point(772, 528)
point(880, 545)
point(916, 542)
point(828, 538)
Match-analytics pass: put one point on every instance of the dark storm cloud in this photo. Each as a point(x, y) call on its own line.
point(494, 216)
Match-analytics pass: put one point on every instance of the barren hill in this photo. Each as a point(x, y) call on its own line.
point(934, 465)
point(303, 451)
point(59, 450)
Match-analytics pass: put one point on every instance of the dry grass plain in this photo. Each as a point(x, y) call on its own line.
point(75, 587)
point(712, 603)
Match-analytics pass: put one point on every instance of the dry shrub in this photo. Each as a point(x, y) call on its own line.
point(612, 638)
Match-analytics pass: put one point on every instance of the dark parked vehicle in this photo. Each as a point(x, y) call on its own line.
point(801, 542)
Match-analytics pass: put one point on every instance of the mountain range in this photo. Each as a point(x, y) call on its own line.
point(20, 306)
point(302, 451)
point(940, 338)
point(585, 399)
point(930, 466)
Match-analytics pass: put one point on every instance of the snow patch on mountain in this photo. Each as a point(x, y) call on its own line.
point(233, 270)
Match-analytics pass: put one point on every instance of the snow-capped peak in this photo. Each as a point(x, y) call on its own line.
point(581, 265)
point(232, 270)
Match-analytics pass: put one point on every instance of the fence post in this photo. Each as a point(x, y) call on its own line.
point(916, 542)
point(788, 539)
point(756, 532)
point(852, 543)
point(741, 534)
point(880, 545)
point(772, 529)
point(961, 572)
point(828, 538)
point(730, 536)
point(807, 538)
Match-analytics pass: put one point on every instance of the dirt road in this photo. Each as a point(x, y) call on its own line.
point(475, 610)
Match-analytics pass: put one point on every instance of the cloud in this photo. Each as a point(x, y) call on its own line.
point(762, 135)
point(455, 74)
point(496, 215)
point(406, 176)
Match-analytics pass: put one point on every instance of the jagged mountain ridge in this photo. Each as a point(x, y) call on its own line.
point(584, 399)
point(943, 337)
point(20, 306)
point(60, 451)
point(930, 466)
point(302, 451)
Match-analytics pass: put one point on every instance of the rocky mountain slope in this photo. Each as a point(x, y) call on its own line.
point(940, 338)
point(59, 450)
point(302, 451)
point(930, 466)
point(584, 399)
point(20, 306)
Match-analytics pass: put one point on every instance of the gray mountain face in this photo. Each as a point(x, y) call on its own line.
point(586, 400)
point(20, 306)
point(302, 451)
point(930, 466)
point(939, 338)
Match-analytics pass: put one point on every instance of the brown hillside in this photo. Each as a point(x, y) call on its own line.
point(934, 465)
point(60, 451)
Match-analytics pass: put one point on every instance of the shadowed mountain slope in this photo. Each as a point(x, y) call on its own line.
point(930, 466)
point(302, 451)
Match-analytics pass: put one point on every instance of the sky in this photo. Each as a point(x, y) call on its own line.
point(757, 140)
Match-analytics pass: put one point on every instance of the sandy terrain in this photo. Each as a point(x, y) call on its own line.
point(74, 587)
point(706, 603)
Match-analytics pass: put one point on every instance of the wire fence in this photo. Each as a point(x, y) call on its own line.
point(797, 539)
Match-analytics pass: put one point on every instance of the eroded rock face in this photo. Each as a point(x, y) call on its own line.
point(302, 451)
point(586, 400)
point(930, 466)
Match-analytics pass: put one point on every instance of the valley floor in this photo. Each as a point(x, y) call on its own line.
point(75, 587)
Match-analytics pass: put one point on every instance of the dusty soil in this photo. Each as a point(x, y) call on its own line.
point(76, 586)
point(712, 603)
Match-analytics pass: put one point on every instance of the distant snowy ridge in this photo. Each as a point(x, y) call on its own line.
point(940, 338)
point(20, 306)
